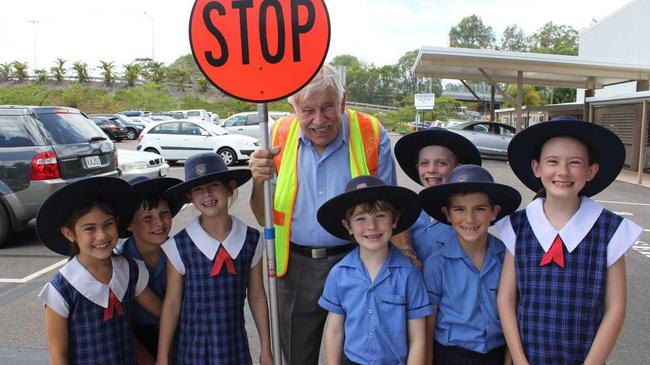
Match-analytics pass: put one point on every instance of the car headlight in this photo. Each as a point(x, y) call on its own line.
point(134, 166)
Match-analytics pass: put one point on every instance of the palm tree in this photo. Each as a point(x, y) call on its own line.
point(107, 72)
point(202, 84)
point(157, 72)
point(20, 71)
point(81, 69)
point(58, 71)
point(131, 73)
point(41, 75)
point(5, 71)
point(180, 76)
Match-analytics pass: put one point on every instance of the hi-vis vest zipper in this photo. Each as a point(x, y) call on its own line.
point(363, 141)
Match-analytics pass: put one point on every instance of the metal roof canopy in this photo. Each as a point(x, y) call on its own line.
point(537, 68)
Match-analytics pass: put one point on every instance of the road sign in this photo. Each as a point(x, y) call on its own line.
point(259, 51)
point(424, 101)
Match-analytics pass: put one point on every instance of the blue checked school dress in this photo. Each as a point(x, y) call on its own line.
point(560, 309)
point(94, 336)
point(211, 324)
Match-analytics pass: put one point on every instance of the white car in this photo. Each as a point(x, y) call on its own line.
point(180, 139)
point(132, 164)
point(246, 123)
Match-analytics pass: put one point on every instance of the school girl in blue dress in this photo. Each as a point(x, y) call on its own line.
point(376, 298)
point(562, 294)
point(212, 265)
point(87, 304)
point(149, 229)
point(427, 157)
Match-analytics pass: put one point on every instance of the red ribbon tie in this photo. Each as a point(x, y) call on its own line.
point(114, 304)
point(223, 256)
point(554, 254)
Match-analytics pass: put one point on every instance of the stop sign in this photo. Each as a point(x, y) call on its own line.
point(259, 50)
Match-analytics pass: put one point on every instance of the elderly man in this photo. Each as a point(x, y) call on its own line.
point(315, 153)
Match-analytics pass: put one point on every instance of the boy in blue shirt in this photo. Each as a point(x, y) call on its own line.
point(376, 298)
point(462, 276)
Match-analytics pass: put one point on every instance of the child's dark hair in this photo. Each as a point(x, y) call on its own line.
point(490, 200)
point(371, 207)
point(78, 212)
point(541, 193)
point(149, 202)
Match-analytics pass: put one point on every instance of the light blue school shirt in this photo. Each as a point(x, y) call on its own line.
point(321, 178)
point(466, 297)
point(376, 312)
point(428, 235)
point(157, 283)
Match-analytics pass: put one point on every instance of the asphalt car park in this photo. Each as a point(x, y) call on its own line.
point(25, 266)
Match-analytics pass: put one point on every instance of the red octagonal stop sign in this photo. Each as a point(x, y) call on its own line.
point(259, 50)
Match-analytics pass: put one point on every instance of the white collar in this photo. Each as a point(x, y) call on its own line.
point(95, 291)
point(209, 246)
point(573, 232)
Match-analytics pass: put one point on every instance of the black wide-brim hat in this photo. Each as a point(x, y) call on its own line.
point(606, 148)
point(146, 187)
point(115, 192)
point(465, 179)
point(363, 189)
point(201, 169)
point(408, 148)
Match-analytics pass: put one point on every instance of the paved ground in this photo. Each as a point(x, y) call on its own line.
point(24, 270)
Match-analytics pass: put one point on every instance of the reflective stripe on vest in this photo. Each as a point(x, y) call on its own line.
point(363, 141)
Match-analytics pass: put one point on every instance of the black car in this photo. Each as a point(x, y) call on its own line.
point(42, 149)
point(112, 127)
point(133, 128)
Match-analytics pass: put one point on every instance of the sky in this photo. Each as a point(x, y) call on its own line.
point(375, 31)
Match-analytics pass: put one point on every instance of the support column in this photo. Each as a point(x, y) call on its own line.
point(585, 107)
point(492, 104)
point(644, 139)
point(520, 91)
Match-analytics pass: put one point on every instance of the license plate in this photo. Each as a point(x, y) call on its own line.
point(92, 162)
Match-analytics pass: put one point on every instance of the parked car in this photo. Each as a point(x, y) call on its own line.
point(136, 113)
point(180, 139)
point(41, 150)
point(113, 128)
point(246, 123)
point(419, 126)
point(278, 115)
point(491, 139)
point(133, 127)
point(132, 164)
point(199, 115)
point(160, 118)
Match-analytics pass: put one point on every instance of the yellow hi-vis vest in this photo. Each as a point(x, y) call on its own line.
point(363, 140)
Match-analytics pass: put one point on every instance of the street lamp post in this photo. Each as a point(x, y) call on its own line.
point(152, 35)
point(34, 22)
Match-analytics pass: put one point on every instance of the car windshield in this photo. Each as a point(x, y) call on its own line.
point(67, 128)
point(219, 131)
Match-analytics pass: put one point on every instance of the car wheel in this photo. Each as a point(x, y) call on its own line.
point(4, 226)
point(130, 134)
point(228, 155)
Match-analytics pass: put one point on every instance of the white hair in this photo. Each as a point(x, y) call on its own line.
point(326, 78)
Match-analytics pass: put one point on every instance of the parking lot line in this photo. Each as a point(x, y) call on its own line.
point(36, 274)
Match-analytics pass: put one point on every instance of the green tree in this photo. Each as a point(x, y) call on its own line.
point(58, 70)
point(81, 69)
point(180, 76)
point(530, 95)
point(471, 33)
point(555, 39)
point(41, 75)
point(5, 71)
point(157, 72)
point(409, 83)
point(202, 84)
point(514, 39)
point(108, 72)
point(20, 71)
point(131, 73)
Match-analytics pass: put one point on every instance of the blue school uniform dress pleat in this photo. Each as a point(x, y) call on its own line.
point(560, 309)
point(211, 324)
point(91, 339)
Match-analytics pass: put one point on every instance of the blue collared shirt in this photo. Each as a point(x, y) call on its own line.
point(427, 235)
point(466, 297)
point(157, 283)
point(322, 177)
point(376, 312)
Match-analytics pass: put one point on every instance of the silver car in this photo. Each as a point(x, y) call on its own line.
point(491, 139)
point(132, 164)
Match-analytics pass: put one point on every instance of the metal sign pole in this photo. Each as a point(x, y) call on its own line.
point(269, 235)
